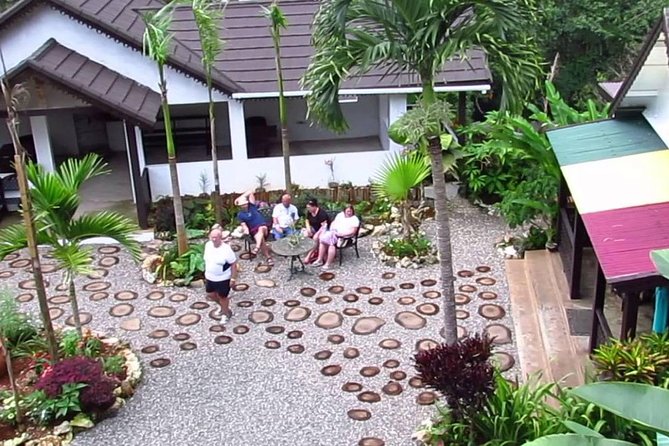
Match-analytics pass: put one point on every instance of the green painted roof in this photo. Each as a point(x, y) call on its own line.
point(602, 140)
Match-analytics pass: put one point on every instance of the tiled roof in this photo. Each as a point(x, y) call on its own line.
point(92, 82)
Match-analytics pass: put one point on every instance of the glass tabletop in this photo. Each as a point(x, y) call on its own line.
point(284, 246)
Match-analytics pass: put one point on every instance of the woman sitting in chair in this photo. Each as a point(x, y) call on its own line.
point(344, 226)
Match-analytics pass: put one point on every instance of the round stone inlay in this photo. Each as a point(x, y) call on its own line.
point(375, 300)
point(180, 337)
point(178, 297)
point(363, 290)
point(95, 297)
point(503, 360)
point(187, 346)
point(240, 329)
point(336, 289)
point(388, 275)
point(292, 303)
point(150, 349)
point(351, 312)
point(84, 317)
point(426, 398)
point(398, 375)
point(416, 382)
point(295, 334)
point(155, 295)
point(488, 295)
point(275, 329)
point(25, 297)
point(483, 269)
point(465, 273)
point(267, 302)
point(467, 288)
point(367, 325)
point(188, 319)
point(426, 344)
point(160, 363)
point(96, 286)
point(486, 281)
point(308, 292)
point(432, 294)
point(391, 364)
point(125, 295)
point(428, 282)
point(296, 349)
point(407, 286)
point(322, 300)
point(222, 339)
point(462, 299)
point(62, 299)
point(159, 334)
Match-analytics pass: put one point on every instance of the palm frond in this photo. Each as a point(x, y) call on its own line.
point(74, 258)
point(14, 238)
point(208, 16)
point(157, 36)
point(421, 123)
point(54, 203)
point(399, 174)
point(105, 224)
point(74, 172)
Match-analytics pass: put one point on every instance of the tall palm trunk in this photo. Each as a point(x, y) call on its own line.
point(12, 383)
point(182, 240)
point(283, 116)
point(443, 228)
point(215, 196)
point(74, 304)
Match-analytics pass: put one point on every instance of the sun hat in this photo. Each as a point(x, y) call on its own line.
point(241, 201)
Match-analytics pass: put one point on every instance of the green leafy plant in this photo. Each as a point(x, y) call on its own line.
point(16, 328)
point(114, 365)
point(187, 267)
point(416, 245)
point(64, 405)
point(69, 343)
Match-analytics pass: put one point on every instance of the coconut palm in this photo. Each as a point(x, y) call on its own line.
point(394, 181)
point(156, 42)
point(208, 15)
point(278, 22)
point(355, 36)
point(14, 97)
point(55, 196)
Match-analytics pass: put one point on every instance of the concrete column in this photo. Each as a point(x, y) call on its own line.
point(237, 130)
point(397, 106)
point(133, 166)
point(383, 121)
point(139, 140)
point(40, 131)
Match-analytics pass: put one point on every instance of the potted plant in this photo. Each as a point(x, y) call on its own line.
point(262, 183)
point(332, 183)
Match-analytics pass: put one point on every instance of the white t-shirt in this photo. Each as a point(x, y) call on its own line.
point(344, 224)
point(215, 258)
point(286, 216)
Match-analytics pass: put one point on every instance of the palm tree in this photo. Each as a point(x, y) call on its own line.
point(278, 22)
point(208, 15)
point(354, 36)
point(157, 39)
point(14, 97)
point(396, 178)
point(55, 196)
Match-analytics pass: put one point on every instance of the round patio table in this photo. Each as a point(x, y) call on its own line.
point(283, 248)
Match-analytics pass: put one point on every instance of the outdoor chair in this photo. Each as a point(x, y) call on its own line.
point(349, 242)
point(248, 238)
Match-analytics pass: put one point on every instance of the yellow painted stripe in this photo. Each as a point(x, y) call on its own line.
point(617, 183)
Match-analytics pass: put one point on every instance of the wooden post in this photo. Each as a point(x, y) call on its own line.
point(577, 257)
point(598, 309)
point(630, 314)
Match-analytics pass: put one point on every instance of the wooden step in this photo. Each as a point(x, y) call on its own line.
point(565, 365)
point(529, 339)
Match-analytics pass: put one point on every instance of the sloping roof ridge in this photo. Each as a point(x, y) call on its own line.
point(223, 82)
point(661, 25)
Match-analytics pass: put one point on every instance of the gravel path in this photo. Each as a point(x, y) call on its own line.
point(242, 392)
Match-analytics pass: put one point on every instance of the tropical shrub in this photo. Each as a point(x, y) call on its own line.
point(184, 268)
point(415, 245)
point(17, 328)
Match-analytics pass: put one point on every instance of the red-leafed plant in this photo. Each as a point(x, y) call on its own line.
point(462, 372)
point(96, 396)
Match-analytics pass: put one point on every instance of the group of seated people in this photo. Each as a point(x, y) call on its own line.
point(326, 234)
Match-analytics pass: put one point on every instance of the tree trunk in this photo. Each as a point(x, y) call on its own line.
point(283, 116)
point(215, 196)
point(405, 210)
point(12, 382)
point(75, 306)
point(443, 242)
point(285, 148)
point(31, 237)
point(182, 240)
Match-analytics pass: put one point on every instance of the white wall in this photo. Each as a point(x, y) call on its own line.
point(657, 111)
point(397, 106)
point(362, 118)
point(383, 121)
point(28, 33)
point(63, 134)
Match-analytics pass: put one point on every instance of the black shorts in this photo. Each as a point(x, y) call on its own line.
point(221, 288)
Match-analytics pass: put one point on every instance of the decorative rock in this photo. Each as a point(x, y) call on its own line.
point(180, 337)
point(359, 414)
point(272, 345)
point(275, 329)
point(351, 353)
point(392, 388)
point(351, 387)
point(240, 329)
point(492, 311)
point(426, 398)
point(326, 276)
point(308, 292)
point(261, 317)
point(364, 290)
point(297, 314)
point(266, 283)
point(331, 370)
point(416, 382)
point(160, 363)
point(222, 339)
point(426, 344)
point(296, 348)
point(47, 268)
point(267, 302)
point(410, 320)
point(329, 320)
point(467, 288)
point(407, 286)
point(159, 333)
point(503, 360)
point(369, 397)
point(428, 309)
point(150, 349)
point(84, 317)
point(367, 325)
point(96, 297)
point(121, 310)
point(428, 282)
point(499, 333)
point(336, 289)
point(370, 371)
point(323, 355)
point(432, 294)
point(486, 281)
point(350, 298)
point(322, 300)
point(336, 339)
point(352, 312)
point(132, 324)
point(295, 334)
point(406, 300)
point(155, 295)
point(375, 300)
point(96, 286)
point(178, 297)
point(188, 319)
point(390, 344)
point(187, 346)
point(197, 284)
point(462, 299)
point(292, 303)
point(391, 364)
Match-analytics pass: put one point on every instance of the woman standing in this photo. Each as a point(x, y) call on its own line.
point(220, 272)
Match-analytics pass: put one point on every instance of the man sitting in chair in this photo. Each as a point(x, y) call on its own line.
point(284, 217)
point(253, 223)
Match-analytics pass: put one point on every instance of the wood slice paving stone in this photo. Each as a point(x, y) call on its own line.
point(268, 302)
point(108, 262)
point(407, 286)
point(261, 317)
point(222, 339)
point(322, 300)
point(336, 339)
point(245, 304)
point(217, 328)
point(180, 337)
point(406, 300)
point(121, 310)
point(6, 274)
point(12, 256)
point(369, 371)
point(461, 332)
point(331, 370)
point(21, 263)
point(398, 375)
point(25, 297)
point(500, 334)
point(58, 300)
point(266, 283)
point(275, 329)
point(150, 349)
point(62, 287)
point(326, 276)
point(294, 334)
point(461, 314)
point(159, 333)
point(467, 288)
point(387, 289)
point(96, 286)
point(125, 295)
point(55, 313)
point(292, 303)
point(487, 295)
point(388, 275)
point(350, 298)
point(108, 249)
point(272, 345)
point(462, 299)
point(369, 397)
point(427, 309)
point(296, 349)
point(465, 273)
point(241, 287)
point(240, 329)
point(297, 314)
point(416, 382)
point(432, 294)
point(351, 312)
point(336, 289)
point(428, 282)
point(351, 387)
point(323, 355)
point(100, 295)
point(367, 325)
point(132, 324)
point(426, 344)
point(199, 306)
point(492, 312)
point(486, 281)
point(261, 269)
point(391, 364)
point(98, 274)
point(503, 360)
point(84, 317)
point(426, 398)
point(375, 300)
point(188, 346)
point(483, 269)
point(47, 268)
point(177, 297)
point(410, 320)
point(351, 353)
point(155, 295)
point(390, 344)
point(308, 292)
point(363, 290)
point(392, 388)
point(359, 414)
point(159, 363)
point(246, 256)
point(161, 311)
point(30, 284)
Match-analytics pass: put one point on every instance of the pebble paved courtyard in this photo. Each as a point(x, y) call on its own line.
point(325, 359)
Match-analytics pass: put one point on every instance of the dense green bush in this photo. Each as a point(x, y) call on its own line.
point(415, 245)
